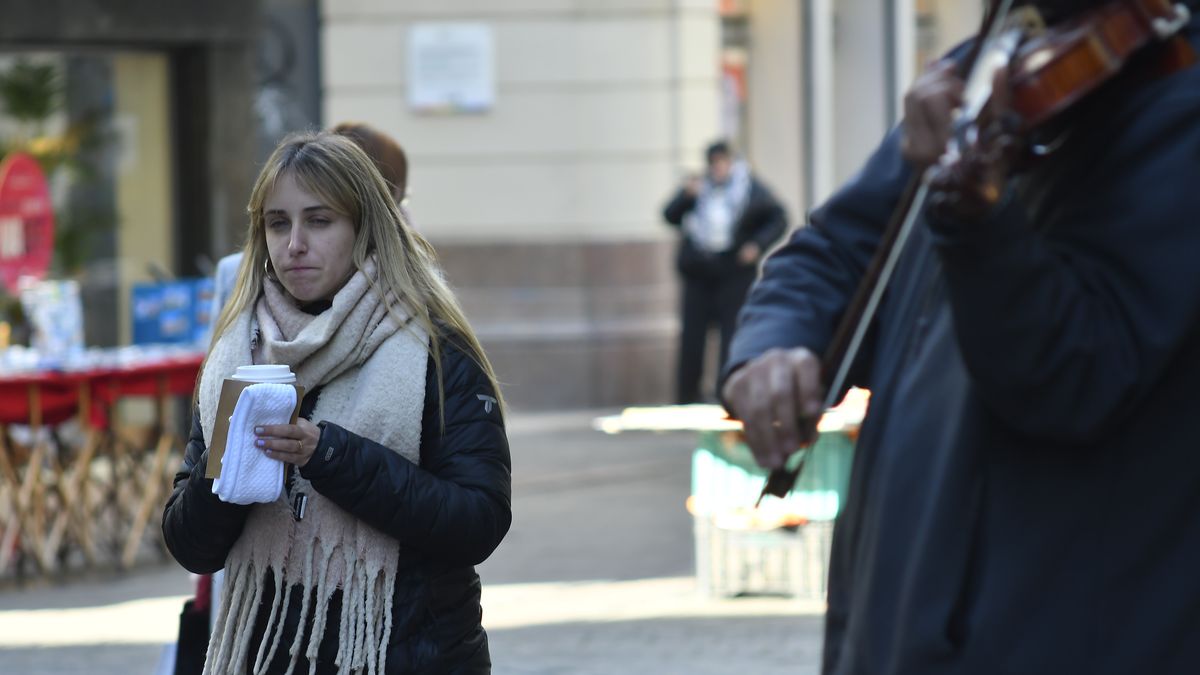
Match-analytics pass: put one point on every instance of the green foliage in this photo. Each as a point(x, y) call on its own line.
point(31, 92)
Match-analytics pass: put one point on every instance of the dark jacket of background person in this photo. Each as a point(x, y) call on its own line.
point(463, 478)
point(1025, 495)
point(763, 221)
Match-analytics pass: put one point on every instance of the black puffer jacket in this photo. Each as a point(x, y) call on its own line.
point(448, 514)
point(763, 221)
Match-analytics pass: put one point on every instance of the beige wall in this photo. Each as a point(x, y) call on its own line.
point(775, 82)
point(598, 102)
point(144, 189)
point(545, 210)
point(954, 21)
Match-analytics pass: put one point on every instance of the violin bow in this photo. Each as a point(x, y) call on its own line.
point(853, 327)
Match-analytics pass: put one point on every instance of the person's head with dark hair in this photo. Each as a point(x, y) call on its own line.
point(719, 158)
point(717, 149)
point(389, 157)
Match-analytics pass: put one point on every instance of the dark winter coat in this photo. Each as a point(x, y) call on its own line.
point(448, 514)
point(1025, 496)
point(762, 221)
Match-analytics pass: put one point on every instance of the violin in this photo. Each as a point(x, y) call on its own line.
point(1050, 69)
point(1055, 68)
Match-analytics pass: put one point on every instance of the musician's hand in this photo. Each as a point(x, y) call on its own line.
point(928, 113)
point(779, 398)
point(964, 188)
point(749, 252)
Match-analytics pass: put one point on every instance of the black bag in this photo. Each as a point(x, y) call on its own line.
point(192, 644)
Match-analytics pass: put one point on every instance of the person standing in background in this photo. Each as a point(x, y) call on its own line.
point(727, 220)
point(387, 154)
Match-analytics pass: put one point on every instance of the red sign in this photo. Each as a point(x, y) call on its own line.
point(26, 220)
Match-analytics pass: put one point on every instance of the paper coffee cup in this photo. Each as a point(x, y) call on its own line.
point(265, 373)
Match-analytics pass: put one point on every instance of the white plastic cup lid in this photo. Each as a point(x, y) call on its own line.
point(265, 373)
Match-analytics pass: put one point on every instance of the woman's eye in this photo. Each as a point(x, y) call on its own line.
point(319, 221)
point(276, 224)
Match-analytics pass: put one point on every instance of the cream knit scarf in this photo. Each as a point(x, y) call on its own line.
point(373, 378)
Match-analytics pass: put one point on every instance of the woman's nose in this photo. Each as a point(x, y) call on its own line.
point(297, 243)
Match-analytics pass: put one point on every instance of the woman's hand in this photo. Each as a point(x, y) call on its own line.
point(290, 443)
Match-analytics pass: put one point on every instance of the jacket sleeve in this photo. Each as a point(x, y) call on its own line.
point(199, 529)
point(678, 207)
point(455, 506)
point(1066, 331)
point(807, 283)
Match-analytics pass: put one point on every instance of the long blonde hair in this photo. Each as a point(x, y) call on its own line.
point(338, 171)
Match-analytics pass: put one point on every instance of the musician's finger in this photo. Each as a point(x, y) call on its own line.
point(917, 140)
point(1001, 95)
point(783, 434)
point(743, 397)
point(943, 104)
point(929, 109)
point(762, 424)
point(756, 421)
point(810, 394)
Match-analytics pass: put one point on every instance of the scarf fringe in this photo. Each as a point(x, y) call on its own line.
point(239, 612)
point(363, 629)
point(271, 636)
point(345, 628)
point(241, 648)
point(305, 605)
point(369, 637)
point(388, 591)
point(320, 612)
point(221, 632)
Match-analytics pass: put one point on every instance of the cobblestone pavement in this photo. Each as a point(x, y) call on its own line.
point(595, 577)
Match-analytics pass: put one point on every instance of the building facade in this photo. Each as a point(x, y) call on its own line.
point(151, 105)
point(543, 201)
point(544, 137)
point(541, 186)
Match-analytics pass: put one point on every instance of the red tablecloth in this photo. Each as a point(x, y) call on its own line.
point(59, 393)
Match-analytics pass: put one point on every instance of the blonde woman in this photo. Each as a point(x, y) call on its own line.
point(399, 457)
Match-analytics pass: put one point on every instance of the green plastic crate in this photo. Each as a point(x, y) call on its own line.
point(725, 476)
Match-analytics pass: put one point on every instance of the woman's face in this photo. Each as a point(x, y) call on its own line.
point(310, 244)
